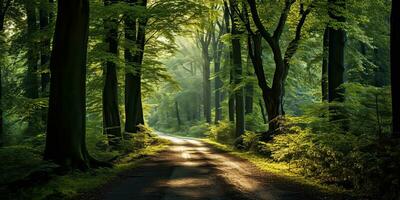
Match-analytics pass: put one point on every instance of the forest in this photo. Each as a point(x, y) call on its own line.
point(200, 99)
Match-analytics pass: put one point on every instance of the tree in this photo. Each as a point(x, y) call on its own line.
point(205, 41)
point(65, 139)
point(4, 5)
point(111, 117)
point(45, 15)
point(395, 66)
point(337, 41)
point(273, 96)
point(31, 81)
point(325, 55)
point(134, 60)
point(217, 54)
point(238, 71)
point(228, 63)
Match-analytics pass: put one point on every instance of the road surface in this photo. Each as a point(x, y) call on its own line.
point(191, 169)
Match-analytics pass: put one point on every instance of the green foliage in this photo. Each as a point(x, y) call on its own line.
point(223, 132)
point(198, 130)
point(18, 162)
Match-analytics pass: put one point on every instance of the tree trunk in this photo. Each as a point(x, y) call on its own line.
point(336, 68)
point(238, 76)
point(3, 10)
point(395, 65)
point(249, 89)
point(31, 82)
point(217, 48)
point(133, 98)
point(66, 140)
point(111, 118)
point(178, 117)
point(44, 17)
point(206, 85)
point(205, 40)
point(325, 54)
point(260, 103)
point(231, 99)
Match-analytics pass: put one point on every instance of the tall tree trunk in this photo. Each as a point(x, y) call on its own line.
point(249, 88)
point(178, 117)
point(3, 9)
point(217, 48)
point(260, 103)
point(44, 17)
point(228, 65)
point(206, 86)
point(133, 98)
point(66, 137)
point(205, 40)
point(336, 68)
point(31, 82)
point(324, 76)
point(111, 118)
point(238, 76)
point(395, 66)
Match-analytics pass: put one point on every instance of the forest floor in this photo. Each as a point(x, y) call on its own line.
point(193, 169)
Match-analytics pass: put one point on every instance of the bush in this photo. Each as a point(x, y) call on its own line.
point(250, 140)
point(17, 162)
point(223, 132)
point(198, 130)
point(358, 162)
point(141, 140)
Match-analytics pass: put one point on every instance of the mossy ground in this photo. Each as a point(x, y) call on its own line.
point(76, 182)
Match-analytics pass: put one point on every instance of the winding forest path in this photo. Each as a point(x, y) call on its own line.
point(191, 169)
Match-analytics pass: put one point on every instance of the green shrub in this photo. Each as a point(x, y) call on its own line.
point(144, 138)
point(250, 140)
point(198, 130)
point(17, 162)
point(223, 132)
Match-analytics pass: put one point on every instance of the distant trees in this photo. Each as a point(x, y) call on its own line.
point(395, 66)
point(65, 139)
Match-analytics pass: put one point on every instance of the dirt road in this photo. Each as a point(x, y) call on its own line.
point(191, 169)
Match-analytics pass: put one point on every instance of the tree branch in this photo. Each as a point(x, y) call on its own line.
point(283, 18)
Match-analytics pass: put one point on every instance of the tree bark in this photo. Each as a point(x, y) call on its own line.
point(111, 117)
point(31, 81)
point(217, 48)
point(324, 76)
point(238, 76)
point(231, 98)
point(337, 40)
point(395, 66)
point(66, 137)
point(178, 117)
point(133, 98)
point(260, 103)
point(249, 89)
point(44, 17)
point(4, 5)
point(336, 68)
point(205, 40)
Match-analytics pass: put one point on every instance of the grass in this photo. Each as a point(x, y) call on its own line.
point(77, 182)
point(279, 169)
